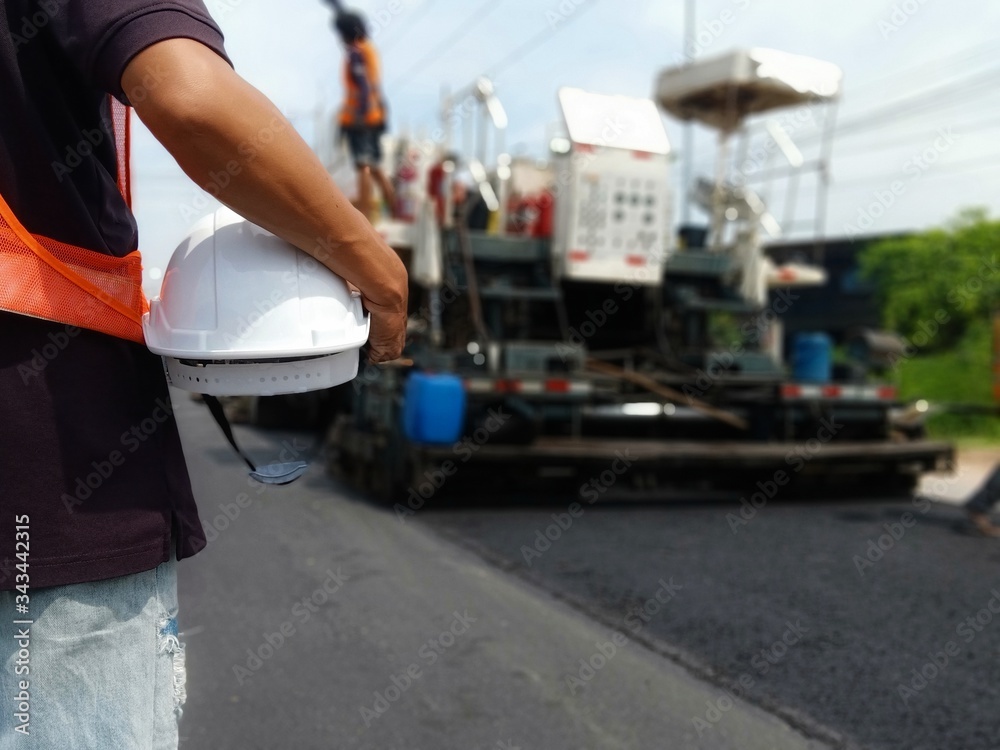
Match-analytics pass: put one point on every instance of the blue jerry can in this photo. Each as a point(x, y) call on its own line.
point(812, 358)
point(433, 408)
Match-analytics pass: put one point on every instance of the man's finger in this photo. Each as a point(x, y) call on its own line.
point(388, 335)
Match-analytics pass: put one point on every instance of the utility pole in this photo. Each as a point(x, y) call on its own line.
point(690, 42)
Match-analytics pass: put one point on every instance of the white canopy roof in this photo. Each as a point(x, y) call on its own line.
point(613, 121)
point(723, 91)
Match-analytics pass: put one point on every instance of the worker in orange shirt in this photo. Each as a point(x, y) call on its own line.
point(363, 118)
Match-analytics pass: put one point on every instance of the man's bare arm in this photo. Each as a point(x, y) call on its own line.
point(215, 123)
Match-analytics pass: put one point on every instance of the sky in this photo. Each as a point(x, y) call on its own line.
point(917, 126)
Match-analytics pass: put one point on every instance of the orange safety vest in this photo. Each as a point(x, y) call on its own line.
point(352, 107)
point(46, 279)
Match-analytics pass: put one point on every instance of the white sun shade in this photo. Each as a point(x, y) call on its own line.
point(619, 122)
point(722, 91)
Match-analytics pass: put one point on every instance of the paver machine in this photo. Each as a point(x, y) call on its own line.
point(560, 334)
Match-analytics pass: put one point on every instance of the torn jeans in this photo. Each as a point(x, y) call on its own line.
point(105, 667)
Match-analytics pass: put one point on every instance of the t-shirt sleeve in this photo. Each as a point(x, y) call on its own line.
point(102, 36)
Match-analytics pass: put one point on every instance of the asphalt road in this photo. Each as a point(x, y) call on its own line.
point(316, 619)
point(798, 600)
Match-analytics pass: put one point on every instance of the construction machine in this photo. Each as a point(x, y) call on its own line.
point(561, 334)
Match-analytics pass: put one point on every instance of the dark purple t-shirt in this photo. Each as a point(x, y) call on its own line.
point(89, 449)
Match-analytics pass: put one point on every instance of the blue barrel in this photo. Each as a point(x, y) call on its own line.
point(433, 408)
point(812, 358)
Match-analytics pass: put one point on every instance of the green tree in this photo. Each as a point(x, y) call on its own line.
point(951, 274)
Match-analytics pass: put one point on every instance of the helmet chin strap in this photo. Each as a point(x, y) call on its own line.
point(276, 473)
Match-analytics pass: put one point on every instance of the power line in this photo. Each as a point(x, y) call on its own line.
point(444, 47)
point(886, 179)
point(940, 97)
point(898, 140)
point(959, 167)
point(947, 95)
point(531, 44)
point(985, 50)
point(411, 20)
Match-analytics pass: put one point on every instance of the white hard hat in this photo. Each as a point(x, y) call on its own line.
point(242, 312)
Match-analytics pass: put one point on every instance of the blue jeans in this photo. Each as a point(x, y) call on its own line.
point(106, 669)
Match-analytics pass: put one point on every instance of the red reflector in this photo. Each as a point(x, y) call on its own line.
point(585, 148)
point(635, 260)
point(508, 386)
point(642, 155)
point(831, 391)
point(887, 392)
point(791, 391)
point(578, 255)
point(557, 386)
point(787, 274)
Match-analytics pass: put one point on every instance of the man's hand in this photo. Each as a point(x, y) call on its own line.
point(388, 334)
point(381, 347)
point(215, 123)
